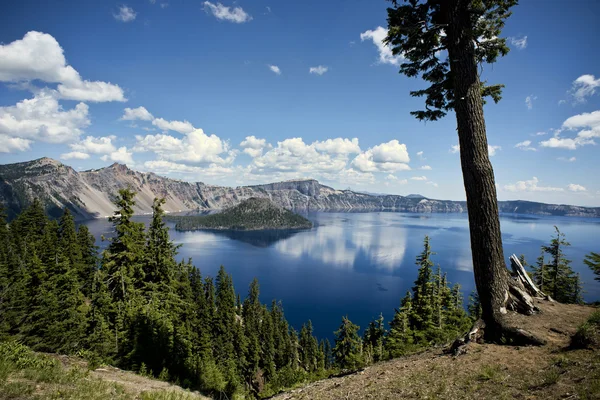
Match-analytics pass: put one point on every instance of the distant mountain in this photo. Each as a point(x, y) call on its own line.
point(252, 214)
point(415, 196)
point(90, 193)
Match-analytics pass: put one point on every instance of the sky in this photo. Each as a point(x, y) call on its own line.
point(257, 91)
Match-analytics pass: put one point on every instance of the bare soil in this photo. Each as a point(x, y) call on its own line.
point(487, 371)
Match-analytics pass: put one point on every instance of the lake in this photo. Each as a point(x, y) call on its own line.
point(362, 264)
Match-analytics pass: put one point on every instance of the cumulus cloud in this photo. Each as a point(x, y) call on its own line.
point(386, 157)
point(254, 146)
point(519, 42)
point(385, 52)
point(11, 144)
point(320, 70)
point(491, 149)
point(584, 87)
point(177, 126)
point(231, 14)
point(525, 145)
point(573, 187)
point(125, 14)
point(39, 56)
point(421, 156)
point(531, 186)
point(132, 114)
point(94, 145)
point(338, 146)
point(121, 155)
point(588, 125)
point(425, 168)
point(41, 118)
point(419, 178)
point(195, 147)
point(275, 69)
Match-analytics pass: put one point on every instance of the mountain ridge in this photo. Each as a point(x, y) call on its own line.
point(89, 194)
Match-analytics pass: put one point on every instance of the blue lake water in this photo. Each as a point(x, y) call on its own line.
point(362, 264)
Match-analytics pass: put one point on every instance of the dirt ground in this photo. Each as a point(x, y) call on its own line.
point(485, 372)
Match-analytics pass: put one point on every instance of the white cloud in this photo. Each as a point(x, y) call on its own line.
point(386, 157)
point(338, 146)
point(39, 56)
point(573, 187)
point(432, 183)
point(571, 159)
point(168, 168)
point(120, 156)
point(10, 144)
point(232, 14)
point(132, 114)
point(177, 126)
point(94, 145)
point(419, 178)
point(41, 118)
point(531, 186)
point(525, 145)
point(254, 146)
point(74, 155)
point(421, 156)
point(425, 168)
point(491, 149)
point(125, 14)
point(529, 101)
point(195, 147)
point(588, 125)
point(320, 70)
point(275, 69)
point(584, 87)
point(519, 43)
point(540, 133)
point(385, 52)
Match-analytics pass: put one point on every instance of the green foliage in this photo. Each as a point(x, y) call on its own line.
point(556, 277)
point(419, 31)
point(431, 314)
point(251, 214)
point(348, 352)
point(592, 260)
point(588, 333)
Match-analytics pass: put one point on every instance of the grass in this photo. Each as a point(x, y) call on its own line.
point(588, 333)
point(25, 374)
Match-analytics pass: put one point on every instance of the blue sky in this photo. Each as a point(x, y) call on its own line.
point(257, 91)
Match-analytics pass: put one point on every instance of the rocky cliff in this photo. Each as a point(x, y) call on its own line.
point(90, 193)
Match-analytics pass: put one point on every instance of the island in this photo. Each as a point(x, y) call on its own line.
point(253, 214)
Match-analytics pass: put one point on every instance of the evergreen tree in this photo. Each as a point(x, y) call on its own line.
point(592, 260)
point(474, 307)
point(348, 346)
point(422, 315)
point(308, 348)
point(400, 337)
point(540, 272)
point(562, 281)
point(373, 339)
point(89, 259)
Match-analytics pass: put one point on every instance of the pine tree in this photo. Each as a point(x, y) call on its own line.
point(373, 339)
point(422, 315)
point(348, 346)
point(400, 337)
point(474, 307)
point(592, 260)
point(308, 348)
point(561, 283)
point(89, 259)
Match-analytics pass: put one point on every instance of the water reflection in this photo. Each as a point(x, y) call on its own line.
point(342, 242)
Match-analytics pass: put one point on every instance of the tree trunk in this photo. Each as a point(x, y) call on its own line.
point(491, 276)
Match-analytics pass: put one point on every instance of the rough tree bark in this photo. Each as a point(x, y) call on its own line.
point(497, 290)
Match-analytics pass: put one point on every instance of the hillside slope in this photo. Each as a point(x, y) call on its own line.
point(485, 372)
point(89, 194)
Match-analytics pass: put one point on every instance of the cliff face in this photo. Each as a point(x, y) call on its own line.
point(89, 194)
